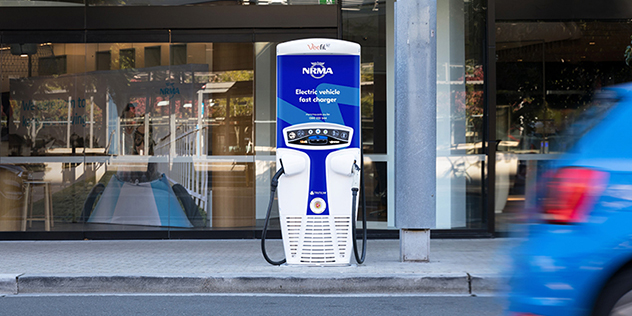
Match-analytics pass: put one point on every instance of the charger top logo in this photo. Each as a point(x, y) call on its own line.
point(318, 47)
point(317, 70)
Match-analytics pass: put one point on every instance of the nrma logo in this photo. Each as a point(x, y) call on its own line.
point(317, 70)
point(318, 47)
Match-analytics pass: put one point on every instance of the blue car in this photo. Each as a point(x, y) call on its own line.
point(576, 257)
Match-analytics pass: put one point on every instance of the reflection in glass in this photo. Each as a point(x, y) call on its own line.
point(548, 74)
point(375, 191)
point(364, 23)
point(137, 128)
point(461, 163)
point(12, 197)
point(45, 111)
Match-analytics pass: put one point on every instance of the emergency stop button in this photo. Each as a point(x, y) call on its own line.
point(317, 205)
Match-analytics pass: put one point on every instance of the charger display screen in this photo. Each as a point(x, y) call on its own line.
point(317, 137)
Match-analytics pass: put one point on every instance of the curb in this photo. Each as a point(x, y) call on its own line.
point(486, 284)
point(9, 283)
point(453, 283)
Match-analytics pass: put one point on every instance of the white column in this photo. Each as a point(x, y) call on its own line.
point(172, 137)
point(390, 112)
point(198, 135)
point(68, 129)
point(146, 138)
point(92, 122)
point(451, 164)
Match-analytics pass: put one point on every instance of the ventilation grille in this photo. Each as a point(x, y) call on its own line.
point(293, 233)
point(342, 233)
point(318, 243)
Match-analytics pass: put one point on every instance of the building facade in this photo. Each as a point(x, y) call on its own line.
point(156, 118)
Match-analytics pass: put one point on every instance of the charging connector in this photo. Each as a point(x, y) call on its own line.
point(355, 171)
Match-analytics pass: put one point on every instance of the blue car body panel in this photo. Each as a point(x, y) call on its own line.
point(561, 269)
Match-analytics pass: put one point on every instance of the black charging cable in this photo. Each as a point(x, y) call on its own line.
point(354, 192)
point(273, 186)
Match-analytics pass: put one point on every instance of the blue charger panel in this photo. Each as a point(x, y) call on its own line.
point(318, 89)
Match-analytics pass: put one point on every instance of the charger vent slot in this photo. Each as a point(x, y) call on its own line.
point(318, 241)
point(293, 231)
point(342, 224)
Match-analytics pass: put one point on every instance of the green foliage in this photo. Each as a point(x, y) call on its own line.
point(238, 107)
point(366, 72)
point(367, 105)
point(234, 75)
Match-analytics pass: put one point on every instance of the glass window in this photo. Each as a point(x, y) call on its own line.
point(46, 107)
point(127, 58)
point(460, 81)
point(364, 22)
point(152, 56)
point(547, 74)
point(123, 136)
point(104, 60)
point(178, 54)
point(375, 192)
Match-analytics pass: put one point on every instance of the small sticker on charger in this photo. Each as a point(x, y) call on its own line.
point(317, 205)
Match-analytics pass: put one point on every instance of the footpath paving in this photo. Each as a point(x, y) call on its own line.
point(457, 266)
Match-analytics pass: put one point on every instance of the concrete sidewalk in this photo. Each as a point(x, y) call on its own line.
point(457, 266)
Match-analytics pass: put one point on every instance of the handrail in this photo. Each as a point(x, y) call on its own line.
point(180, 137)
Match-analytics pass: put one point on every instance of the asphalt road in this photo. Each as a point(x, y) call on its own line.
point(186, 305)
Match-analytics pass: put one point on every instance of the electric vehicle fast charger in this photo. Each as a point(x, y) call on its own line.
point(318, 151)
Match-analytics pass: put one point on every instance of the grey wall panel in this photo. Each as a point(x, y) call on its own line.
point(294, 34)
point(165, 17)
point(41, 18)
point(210, 17)
point(212, 36)
point(144, 36)
point(563, 9)
point(249, 35)
point(43, 36)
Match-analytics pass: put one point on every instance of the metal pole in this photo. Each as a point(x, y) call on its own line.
point(415, 125)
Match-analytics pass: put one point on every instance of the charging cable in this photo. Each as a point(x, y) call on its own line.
point(356, 171)
point(273, 186)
